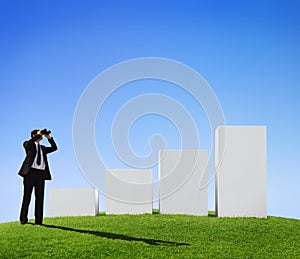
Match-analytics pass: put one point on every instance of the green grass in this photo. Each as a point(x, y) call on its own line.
point(152, 236)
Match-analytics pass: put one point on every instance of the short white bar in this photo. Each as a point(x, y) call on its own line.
point(183, 182)
point(73, 202)
point(128, 191)
point(241, 180)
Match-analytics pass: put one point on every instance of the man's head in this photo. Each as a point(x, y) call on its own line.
point(34, 132)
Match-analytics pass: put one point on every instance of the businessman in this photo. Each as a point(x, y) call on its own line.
point(35, 170)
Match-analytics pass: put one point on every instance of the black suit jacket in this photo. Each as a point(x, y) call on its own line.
point(30, 149)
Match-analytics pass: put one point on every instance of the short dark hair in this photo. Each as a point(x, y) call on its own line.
point(34, 132)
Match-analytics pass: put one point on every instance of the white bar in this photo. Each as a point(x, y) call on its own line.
point(182, 182)
point(128, 191)
point(241, 181)
point(73, 202)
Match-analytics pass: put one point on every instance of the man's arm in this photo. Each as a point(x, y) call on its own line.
point(52, 143)
point(27, 144)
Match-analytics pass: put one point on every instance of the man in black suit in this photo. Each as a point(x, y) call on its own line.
point(35, 170)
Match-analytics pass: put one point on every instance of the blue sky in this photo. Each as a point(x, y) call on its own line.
point(248, 51)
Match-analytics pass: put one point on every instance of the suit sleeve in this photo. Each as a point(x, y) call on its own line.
point(28, 144)
point(52, 148)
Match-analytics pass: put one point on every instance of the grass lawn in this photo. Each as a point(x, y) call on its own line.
point(152, 236)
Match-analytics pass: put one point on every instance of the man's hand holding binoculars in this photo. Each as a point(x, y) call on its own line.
point(45, 132)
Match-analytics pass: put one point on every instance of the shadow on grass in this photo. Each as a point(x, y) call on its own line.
point(212, 214)
point(119, 236)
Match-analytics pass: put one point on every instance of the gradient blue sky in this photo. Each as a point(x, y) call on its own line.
point(248, 51)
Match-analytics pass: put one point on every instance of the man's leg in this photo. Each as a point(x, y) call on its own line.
point(28, 186)
point(39, 198)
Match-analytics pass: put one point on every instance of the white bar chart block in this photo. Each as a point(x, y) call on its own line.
point(241, 178)
point(183, 182)
point(128, 191)
point(73, 202)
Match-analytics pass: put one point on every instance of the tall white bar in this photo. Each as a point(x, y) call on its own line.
point(183, 182)
point(128, 191)
point(241, 178)
point(73, 202)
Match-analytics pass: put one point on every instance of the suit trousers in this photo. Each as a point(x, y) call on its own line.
point(33, 180)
